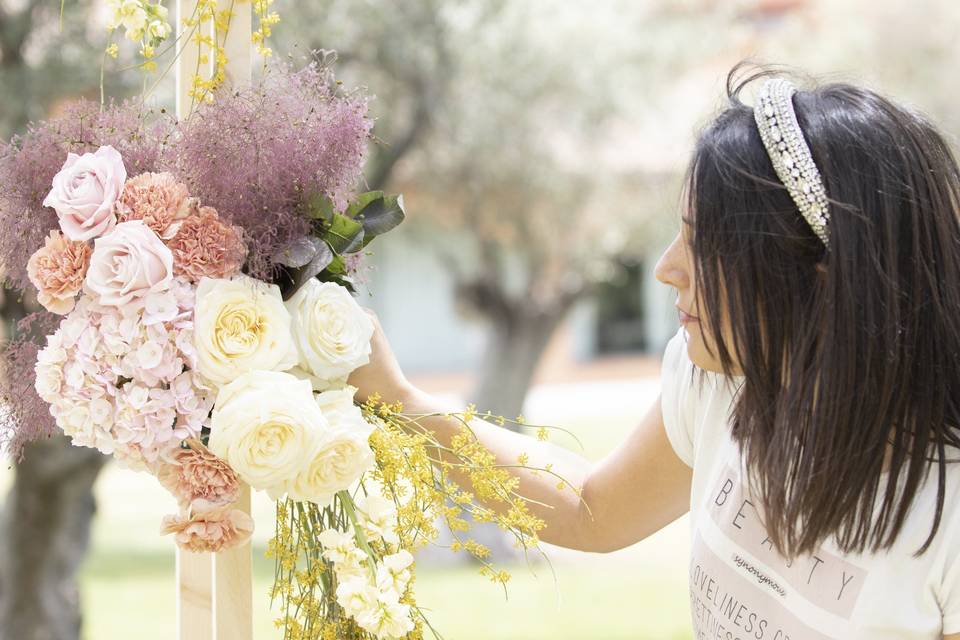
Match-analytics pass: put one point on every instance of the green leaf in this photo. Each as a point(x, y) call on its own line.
point(361, 203)
point(320, 207)
point(381, 216)
point(338, 266)
point(344, 235)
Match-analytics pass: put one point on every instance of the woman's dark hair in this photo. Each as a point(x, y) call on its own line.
point(850, 355)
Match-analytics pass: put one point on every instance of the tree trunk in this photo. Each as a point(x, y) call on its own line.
point(517, 344)
point(45, 535)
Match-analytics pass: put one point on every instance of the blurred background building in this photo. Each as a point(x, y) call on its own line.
point(540, 146)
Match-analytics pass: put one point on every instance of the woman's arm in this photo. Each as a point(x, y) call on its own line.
point(634, 491)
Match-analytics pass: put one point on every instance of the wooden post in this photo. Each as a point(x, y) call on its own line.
point(215, 591)
point(232, 573)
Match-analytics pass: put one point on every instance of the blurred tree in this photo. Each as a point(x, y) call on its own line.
point(502, 123)
point(45, 523)
point(40, 63)
point(534, 139)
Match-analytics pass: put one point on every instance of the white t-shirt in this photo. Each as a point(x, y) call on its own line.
point(740, 588)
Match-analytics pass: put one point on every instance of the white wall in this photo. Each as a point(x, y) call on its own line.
point(413, 296)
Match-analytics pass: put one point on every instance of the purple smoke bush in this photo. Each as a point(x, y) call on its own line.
point(256, 154)
point(24, 416)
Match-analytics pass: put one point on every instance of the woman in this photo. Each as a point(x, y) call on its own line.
point(810, 403)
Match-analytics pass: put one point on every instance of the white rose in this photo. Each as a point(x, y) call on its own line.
point(129, 264)
point(266, 425)
point(342, 456)
point(332, 332)
point(339, 459)
point(341, 412)
point(240, 325)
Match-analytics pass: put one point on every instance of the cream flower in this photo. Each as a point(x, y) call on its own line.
point(357, 596)
point(394, 573)
point(332, 332)
point(266, 425)
point(342, 456)
point(341, 411)
point(241, 325)
point(378, 517)
point(338, 546)
point(336, 462)
point(388, 618)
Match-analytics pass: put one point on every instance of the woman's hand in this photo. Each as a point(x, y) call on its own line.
point(382, 375)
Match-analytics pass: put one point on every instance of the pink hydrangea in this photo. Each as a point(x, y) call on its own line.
point(157, 199)
point(122, 384)
point(57, 270)
point(199, 479)
point(209, 531)
point(207, 246)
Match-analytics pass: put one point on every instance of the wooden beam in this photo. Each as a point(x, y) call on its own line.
point(233, 587)
point(238, 46)
point(194, 596)
point(214, 591)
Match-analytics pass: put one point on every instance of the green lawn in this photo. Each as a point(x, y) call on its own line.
point(638, 593)
point(130, 595)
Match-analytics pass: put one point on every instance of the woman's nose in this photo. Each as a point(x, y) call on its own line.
point(672, 268)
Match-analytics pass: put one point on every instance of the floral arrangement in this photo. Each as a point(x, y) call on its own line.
point(198, 323)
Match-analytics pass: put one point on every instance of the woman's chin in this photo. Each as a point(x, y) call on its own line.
point(697, 350)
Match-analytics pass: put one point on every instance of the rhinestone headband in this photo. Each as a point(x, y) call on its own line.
point(790, 155)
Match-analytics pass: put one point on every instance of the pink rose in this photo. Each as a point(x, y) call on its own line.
point(209, 531)
point(128, 264)
point(57, 271)
point(85, 191)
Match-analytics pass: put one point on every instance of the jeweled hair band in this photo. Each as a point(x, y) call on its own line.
point(790, 155)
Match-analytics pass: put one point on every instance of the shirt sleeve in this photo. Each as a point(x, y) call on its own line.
point(950, 591)
point(676, 377)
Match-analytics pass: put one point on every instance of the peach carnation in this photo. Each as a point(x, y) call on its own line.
point(199, 479)
point(57, 270)
point(157, 199)
point(209, 531)
point(207, 246)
